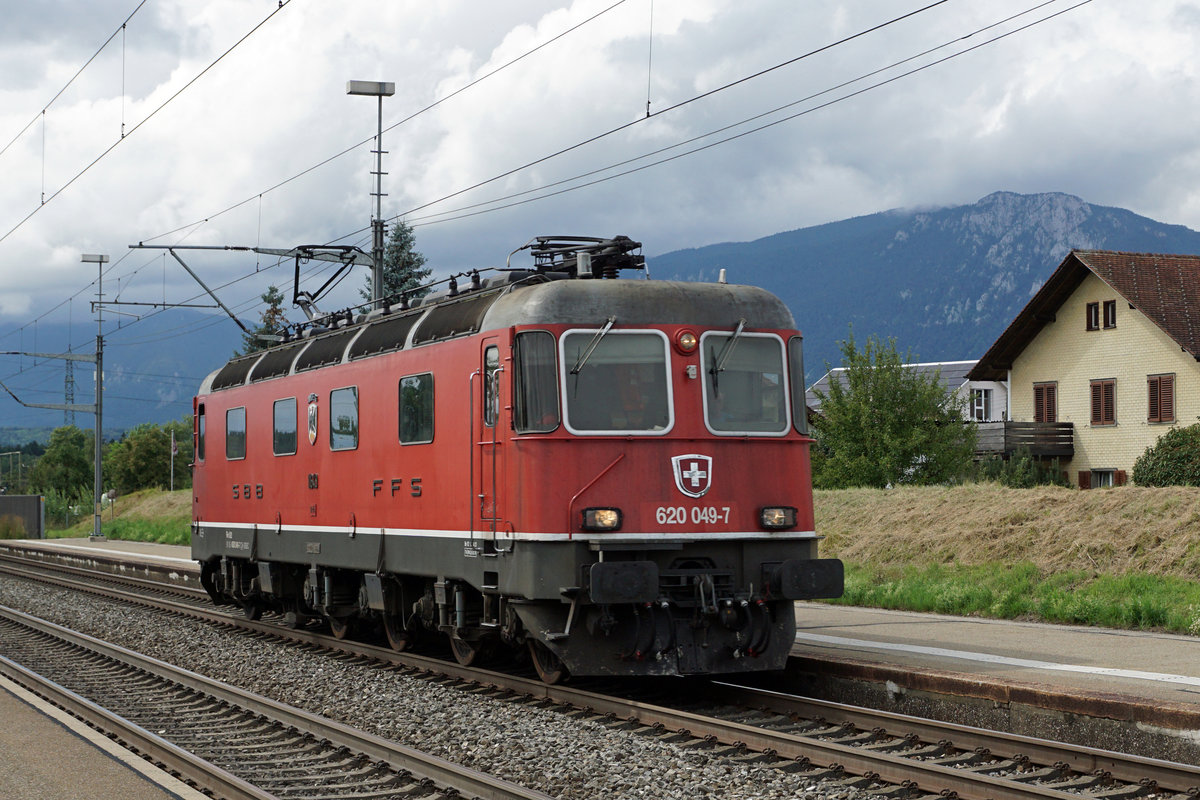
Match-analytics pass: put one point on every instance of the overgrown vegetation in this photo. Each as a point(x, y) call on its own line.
point(12, 527)
point(1021, 471)
point(1174, 460)
point(148, 515)
point(881, 424)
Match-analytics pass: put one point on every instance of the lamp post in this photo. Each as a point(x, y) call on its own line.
point(380, 90)
point(99, 260)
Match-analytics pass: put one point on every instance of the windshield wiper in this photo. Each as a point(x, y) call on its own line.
point(600, 334)
point(725, 351)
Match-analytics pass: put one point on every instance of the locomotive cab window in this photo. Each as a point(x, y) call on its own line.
point(535, 407)
point(796, 370)
point(491, 386)
point(199, 447)
point(235, 433)
point(284, 437)
point(343, 418)
point(745, 386)
point(615, 382)
point(416, 409)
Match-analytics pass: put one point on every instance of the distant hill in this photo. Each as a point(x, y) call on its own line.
point(945, 282)
point(151, 371)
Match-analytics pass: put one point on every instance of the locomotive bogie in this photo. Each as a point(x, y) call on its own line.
point(610, 475)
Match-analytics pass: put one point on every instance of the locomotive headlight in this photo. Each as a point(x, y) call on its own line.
point(776, 518)
point(685, 342)
point(602, 519)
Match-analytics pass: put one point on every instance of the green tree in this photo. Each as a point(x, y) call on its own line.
point(142, 458)
point(882, 424)
point(270, 323)
point(67, 465)
point(403, 267)
point(1173, 460)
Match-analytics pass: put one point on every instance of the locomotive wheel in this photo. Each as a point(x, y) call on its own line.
point(340, 627)
point(550, 667)
point(252, 611)
point(291, 620)
point(397, 636)
point(464, 652)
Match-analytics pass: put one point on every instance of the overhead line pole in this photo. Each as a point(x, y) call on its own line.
point(97, 485)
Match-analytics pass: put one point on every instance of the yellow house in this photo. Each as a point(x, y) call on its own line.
point(1110, 345)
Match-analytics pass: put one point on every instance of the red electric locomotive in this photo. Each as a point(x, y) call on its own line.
point(611, 472)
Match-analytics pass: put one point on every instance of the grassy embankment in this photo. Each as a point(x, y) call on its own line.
point(1127, 557)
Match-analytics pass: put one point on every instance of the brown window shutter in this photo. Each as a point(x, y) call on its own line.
point(1119, 478)
point(1051, 403)
point(1166, 394)
point(1039, 403)
point(1085, 479)
point(1154, 409)
point(1097, 404)
point(1110, 401)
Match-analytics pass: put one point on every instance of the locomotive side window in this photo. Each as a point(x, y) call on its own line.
point(536, 389)
point(343, 418)
point(745, 391)
point(616, 382)
point(796, 371)
point(285, 427)
point(416, 409)
point(235, 433)
point(200, 433)
point(491, 386)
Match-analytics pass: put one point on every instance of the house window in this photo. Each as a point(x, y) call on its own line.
point(1093, 316)
point(1045, 402)
point(1161, 403)
point(981, 405)
point(1104, 402)
point(1110, 313)
point(1102, 478)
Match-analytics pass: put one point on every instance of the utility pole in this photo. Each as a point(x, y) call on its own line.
point(97, 487)
point(380, 90)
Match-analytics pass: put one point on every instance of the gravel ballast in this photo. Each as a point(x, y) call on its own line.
point(535, 747)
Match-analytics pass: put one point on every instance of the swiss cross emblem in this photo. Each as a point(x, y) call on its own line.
point(693, 474)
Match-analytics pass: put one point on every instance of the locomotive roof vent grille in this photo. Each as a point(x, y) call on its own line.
point(234, 373)
point(325, 350)
point(276, 362)
point(384, 335)
point(454, 319)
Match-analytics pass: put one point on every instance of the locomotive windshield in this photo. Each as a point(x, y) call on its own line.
point(621, 386)
point(744, 383)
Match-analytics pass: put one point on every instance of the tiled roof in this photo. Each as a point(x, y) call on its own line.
point(1165, 288)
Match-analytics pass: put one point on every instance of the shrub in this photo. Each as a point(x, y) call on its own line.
point(1022, 471)
point(1174, 460)
point(12, 527)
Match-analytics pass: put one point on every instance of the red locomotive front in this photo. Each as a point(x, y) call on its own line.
point(612, 473)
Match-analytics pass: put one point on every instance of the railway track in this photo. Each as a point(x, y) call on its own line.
point(883, 753)
point(236, 744)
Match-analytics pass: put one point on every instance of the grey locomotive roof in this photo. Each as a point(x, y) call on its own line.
point(586, 303)
point(637, 302)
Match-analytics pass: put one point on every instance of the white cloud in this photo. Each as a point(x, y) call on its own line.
point(1101, 102)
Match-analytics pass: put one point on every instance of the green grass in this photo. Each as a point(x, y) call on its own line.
point(132, 529)
point(1021, 591)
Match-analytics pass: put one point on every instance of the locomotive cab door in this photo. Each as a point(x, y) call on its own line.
point(488, 445)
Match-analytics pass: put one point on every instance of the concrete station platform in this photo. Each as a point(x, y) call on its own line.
point(162, 562)
point(49, 755)
point(1148, 681)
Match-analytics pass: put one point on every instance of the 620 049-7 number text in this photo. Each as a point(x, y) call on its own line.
point(695, 515)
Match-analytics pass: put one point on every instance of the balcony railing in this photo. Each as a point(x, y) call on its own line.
point(1045, 439)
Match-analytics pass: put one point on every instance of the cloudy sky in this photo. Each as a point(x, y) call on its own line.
point(234, 114)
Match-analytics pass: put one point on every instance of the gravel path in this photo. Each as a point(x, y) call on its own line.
point(538, 748)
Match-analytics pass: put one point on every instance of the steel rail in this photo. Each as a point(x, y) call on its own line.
point(1082, 759)
point(893, 769)
point(174, 759)
point(446, 773)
